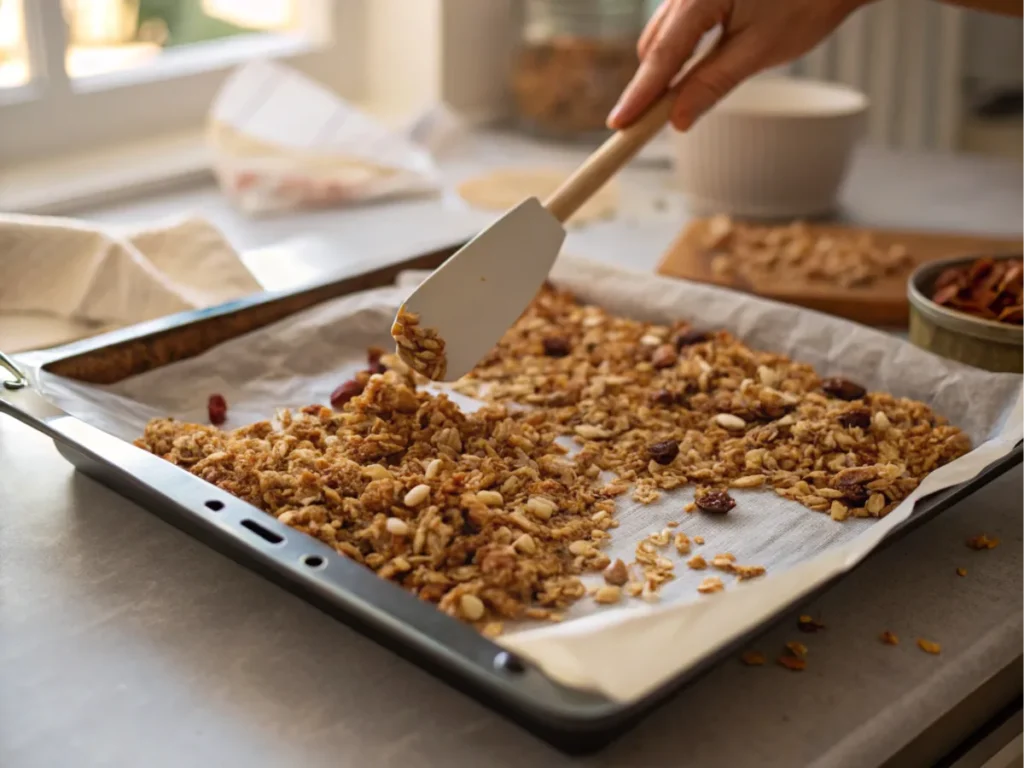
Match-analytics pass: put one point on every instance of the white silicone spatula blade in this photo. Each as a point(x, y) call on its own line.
point(478, 293)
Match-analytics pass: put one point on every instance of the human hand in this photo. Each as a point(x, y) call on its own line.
point(756, 35)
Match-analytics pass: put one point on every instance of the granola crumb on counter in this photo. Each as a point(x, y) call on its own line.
point(753, 659)
point(809, 624)
point(889, 638)
point(796, 648)
point(961, 571)
point(792, 663)
point(697, 563)
point(421, 348)
point(928, 646)
point(982, 541)
point(486, 515)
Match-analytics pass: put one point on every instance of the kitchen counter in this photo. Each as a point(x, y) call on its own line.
point(124, 642)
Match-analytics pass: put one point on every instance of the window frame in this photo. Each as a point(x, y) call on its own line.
point(51, 117)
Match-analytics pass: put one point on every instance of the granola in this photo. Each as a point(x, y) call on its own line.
point(421, 348)
point(487, 515)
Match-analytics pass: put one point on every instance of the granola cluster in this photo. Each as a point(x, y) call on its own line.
point(761, 252)
point(422, 349)
point(488, 515)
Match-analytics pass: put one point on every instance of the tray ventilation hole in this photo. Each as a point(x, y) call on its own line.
point(264, 533)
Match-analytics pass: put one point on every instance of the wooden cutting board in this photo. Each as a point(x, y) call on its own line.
point(882, 303)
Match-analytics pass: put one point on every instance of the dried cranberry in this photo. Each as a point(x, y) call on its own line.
point(715, 502)
point(217, 408)
point(843, 389)
point(688, 337)
point(346, 392)
point(556, 346)
point(663, 397)
point(665, 452)
point(856, 417)
point(377, 367)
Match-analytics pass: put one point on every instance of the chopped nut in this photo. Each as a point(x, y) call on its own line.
point(689, 337)
point(697, 563)
point(729, 421)
point(617, 573)
point(745, 572)
point(417, 495)
point(982, 542)
point(525, 544)
point(839, 511)
point(608, 594)
point(928, 646)
point(689, 507)
point(889, 638)
point(397, 527)
point(710, 584)
point(377, 472)
point(682, 543)
point(698, 540)
point(540, 507)
point(472, 607)
point(753, 658)
point(664, 356)
point(490, 498)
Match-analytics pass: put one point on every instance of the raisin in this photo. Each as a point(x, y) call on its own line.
point(843, 389)
point(346, 392)
point(217, 409)
point(688, 337)
point(663, 397)
point(556, 346)
point(856, 417)
point(664, 452)
point(853, 492)
point(715, 502)
point(377, 367)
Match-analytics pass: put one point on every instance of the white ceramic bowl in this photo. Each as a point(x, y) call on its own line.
point(776, 147)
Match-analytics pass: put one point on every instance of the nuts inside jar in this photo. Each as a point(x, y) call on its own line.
point(566, 86)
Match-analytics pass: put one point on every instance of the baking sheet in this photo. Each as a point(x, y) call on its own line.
point(623, 651)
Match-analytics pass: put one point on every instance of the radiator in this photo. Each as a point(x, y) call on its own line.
point(907, 56)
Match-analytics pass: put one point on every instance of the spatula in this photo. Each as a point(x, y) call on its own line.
point(480, 291)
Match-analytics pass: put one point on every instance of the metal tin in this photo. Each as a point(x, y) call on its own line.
point(956, 335)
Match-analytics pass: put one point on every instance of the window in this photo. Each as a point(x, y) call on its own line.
point(88, 75)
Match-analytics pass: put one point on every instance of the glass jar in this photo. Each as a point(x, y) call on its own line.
point(572, 62)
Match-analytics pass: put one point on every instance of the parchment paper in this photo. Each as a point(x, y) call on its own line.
point(626, 650)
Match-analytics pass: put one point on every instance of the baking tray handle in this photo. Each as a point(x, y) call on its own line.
point(19, 380)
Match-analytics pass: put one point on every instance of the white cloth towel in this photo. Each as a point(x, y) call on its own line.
point(62, 280)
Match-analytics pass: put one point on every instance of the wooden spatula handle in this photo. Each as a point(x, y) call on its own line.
point(616, 151)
